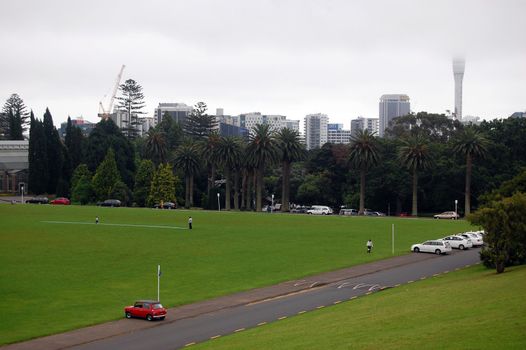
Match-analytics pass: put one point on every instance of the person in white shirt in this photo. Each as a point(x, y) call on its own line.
point(189, 222)
point(369, 246)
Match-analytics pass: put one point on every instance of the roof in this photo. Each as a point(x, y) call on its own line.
point(147, 301)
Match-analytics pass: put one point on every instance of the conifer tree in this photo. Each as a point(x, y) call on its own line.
point(143, 180)
point(14, 118)
point(163, 185)
point(38, 161)
point(198, 124)
point(106, 176)
point(132, 102)
point(54, 151)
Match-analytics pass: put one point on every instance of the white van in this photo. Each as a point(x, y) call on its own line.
point(319, 210)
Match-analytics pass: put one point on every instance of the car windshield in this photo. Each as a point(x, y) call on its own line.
point(157, 306)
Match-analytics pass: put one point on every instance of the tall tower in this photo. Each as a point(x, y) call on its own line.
point(458, 72)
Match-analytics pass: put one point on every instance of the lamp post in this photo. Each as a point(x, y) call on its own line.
point(272, 206)
point(218, 202)
point(456, 205)
point(22, 191)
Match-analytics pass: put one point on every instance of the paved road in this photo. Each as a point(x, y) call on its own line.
point(223, 322)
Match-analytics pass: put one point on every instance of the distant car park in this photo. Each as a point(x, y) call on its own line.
point(38, 200)
point(447, 215)
point(60, 201)
point(110, 203)
point(299, 210)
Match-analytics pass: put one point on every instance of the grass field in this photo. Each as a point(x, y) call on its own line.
point(475, 309)
point(55, 277)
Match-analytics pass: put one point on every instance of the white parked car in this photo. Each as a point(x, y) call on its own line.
point(319, 210)
point(458, 242)
point(475, 238)
point(447, 215)
point(433, 246)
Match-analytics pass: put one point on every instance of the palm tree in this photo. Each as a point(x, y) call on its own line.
point(364, 154)
point(186, 158)
point(291, 150)
point(229, 153)
point(470, 144)
point(414, 155)
point(208, 150)
point(156, 146)
point(262, 151)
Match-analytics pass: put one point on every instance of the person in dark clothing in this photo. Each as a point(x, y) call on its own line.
point(189, 222)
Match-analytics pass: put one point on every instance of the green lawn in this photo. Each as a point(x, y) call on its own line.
point(475, 309)
point(56, 277)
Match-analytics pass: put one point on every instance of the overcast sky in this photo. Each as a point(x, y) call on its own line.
point(276, 57)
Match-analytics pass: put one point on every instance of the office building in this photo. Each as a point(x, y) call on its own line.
point(315, 126)
point(336, 134)
point(292, 125)
point(178, 111)
point(392, 106)
point(362, 123)
point(458, 73)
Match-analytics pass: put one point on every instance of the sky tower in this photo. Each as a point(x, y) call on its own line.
point(458, 73)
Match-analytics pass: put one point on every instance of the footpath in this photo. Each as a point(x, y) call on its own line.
point(124, 326)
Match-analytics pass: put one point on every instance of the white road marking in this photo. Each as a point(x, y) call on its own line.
point(189, 344)
point(302, 312)
point(337, 302)
point(262, 323)
point(239, 330)
point(123, 225)
point(299, 283)
point(359, 285)
point(313, 284)
point(282, 317)
point(410, 281)
point(374, 287)
point(215, 337)
point(343, 285)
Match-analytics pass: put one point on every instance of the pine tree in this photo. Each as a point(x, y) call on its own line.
point(15, 119)
point(163, 185)
point(80, 171)
point(198, 124)
point(38, 161)
point(106, 176)
point(131, 101)
point(143, 180)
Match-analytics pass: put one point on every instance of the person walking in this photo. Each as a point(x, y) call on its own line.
point(189, 222)
point(97, 220)
point(369, 246)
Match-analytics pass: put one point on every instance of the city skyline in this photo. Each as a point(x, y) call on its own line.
point(267, 56)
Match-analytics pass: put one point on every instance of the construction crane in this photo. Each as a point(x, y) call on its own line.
point(104, 113)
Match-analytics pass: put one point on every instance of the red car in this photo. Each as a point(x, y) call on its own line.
point(61, 201)
point(148, 309)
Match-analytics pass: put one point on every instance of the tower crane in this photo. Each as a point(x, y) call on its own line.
point(104, 113)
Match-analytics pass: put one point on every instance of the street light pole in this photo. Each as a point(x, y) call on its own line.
point(272, 206)
point(22, 190)
point(456, 212)
point(218, 202)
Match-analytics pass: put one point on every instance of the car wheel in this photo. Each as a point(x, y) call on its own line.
point(323, 214)
point(438, 252)
point(461, 247)
point(149, 318)
point(128, 315)
point(416, 250)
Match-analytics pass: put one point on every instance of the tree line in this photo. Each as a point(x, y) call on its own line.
point(425, 163)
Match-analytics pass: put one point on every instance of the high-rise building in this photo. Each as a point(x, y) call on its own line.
point(362, 123)
point(276, 122)
point(315, 130)
point(392, 106)
point(292, 125)
point(458, 73)
point(178, 111)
